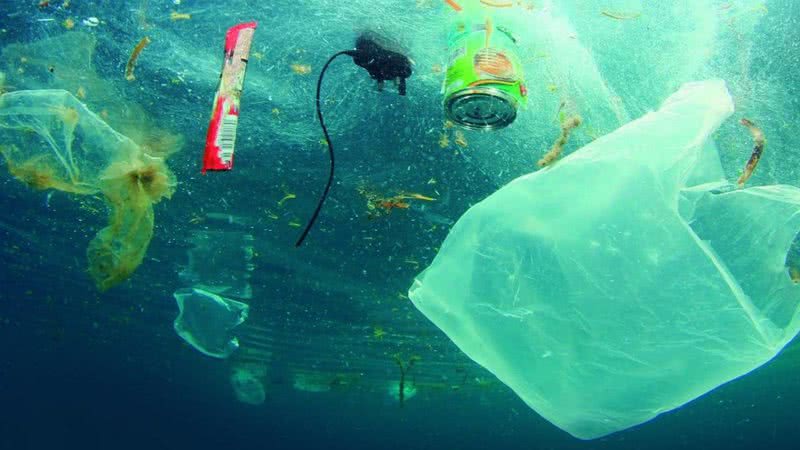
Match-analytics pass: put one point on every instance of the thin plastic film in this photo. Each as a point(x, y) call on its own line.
point(247, 385)
point(206, 321)
point(220, 262)
point(50, 140)
point(626, 280)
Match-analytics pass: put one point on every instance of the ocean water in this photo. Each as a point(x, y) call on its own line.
point(330, 323)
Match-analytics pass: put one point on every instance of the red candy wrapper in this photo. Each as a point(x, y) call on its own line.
point(221, 136)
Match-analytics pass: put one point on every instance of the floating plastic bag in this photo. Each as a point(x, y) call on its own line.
point(626, 280)
point(206, 321)
point(50, 140)
point(247, 385)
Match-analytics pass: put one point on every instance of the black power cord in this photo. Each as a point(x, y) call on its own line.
point(382, 64)
point(324, 196)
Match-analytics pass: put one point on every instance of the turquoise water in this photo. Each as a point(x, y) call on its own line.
point(329, 321)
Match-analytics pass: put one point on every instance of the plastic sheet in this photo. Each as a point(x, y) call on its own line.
point(626, 280)
point(206, 321)
point(50, 140)
point(220, 262)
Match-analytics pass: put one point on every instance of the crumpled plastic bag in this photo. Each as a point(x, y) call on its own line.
point(626, 280)
point(247, 385)
point(51, 140)
point(206, 321)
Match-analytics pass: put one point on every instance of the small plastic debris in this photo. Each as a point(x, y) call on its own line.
point(378, 205)
point(288, 196)
point(558, 146)
point(460, 139)
point(759, 141)
point(403, 389)
point(247, 386)
point(206, 321)
point(454, 5)
point(221, 135)
point(497, 4)
point(134, 56)
point(444, 141)
point(91, 21)
point(620, 16)
point(175, 16)
point(301, 69)
point(411, 195)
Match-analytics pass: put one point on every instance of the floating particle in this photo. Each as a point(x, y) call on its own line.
point(460, 139)
point(552, 155)
point(620, 16)
point(301, 69)
point(175, 16)
point(134, 56)
point(444, 141)
point(759, 141)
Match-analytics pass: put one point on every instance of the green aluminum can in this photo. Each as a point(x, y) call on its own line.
point(484, 85)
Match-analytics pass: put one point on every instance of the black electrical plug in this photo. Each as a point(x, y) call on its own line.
point(381, 63)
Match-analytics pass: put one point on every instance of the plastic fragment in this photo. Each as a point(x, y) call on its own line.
point(134, 56)
point(221, 136)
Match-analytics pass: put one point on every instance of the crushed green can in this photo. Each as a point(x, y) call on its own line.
point(484, 85)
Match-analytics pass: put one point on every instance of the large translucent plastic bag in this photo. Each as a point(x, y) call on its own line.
point(626, 280)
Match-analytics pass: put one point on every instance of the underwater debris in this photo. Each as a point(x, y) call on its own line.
point(759, 141)
point(411, 195)
point(54, 142)
point(620, 16)
point(444, 140)
point(247, 384)
point(497, 4)
point(207, 321)
point(378, 205)
point(794, 274)
point(558, 146)
point(225, 112)
point(288, 196)
point(301, 69)
point(454, 5)
point(460, 139)
point(405, 367)
point(134, 56)
point(175, 16)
